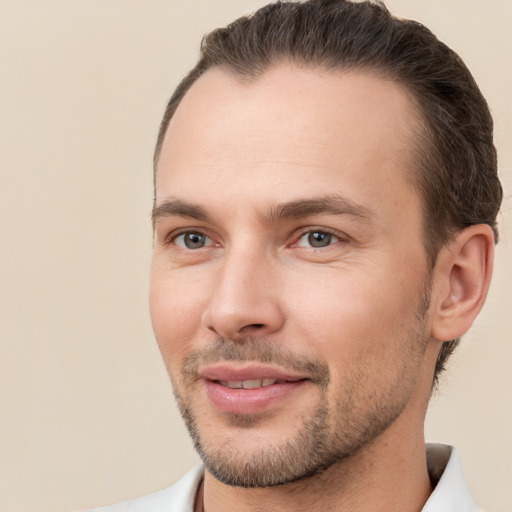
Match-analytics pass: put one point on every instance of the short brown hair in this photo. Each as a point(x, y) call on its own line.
point(457, 175)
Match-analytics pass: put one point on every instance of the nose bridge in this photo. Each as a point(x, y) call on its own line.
point(243, 299)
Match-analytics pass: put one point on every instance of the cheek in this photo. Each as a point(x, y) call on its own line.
point(176, 317)
point(367, 338)
point(354, 317)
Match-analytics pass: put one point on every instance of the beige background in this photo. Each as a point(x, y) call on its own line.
point(86, 413)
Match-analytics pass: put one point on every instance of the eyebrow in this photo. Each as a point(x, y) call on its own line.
point(331, 204)
point(180, 209)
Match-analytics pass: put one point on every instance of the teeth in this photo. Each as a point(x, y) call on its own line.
point(251, 384)
point(247, 384)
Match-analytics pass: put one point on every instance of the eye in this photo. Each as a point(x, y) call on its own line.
point(192, 240)
point(317, 239)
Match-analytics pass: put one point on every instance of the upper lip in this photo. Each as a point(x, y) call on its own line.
point(225, 372)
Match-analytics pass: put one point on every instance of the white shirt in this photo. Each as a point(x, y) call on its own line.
point(451, 493)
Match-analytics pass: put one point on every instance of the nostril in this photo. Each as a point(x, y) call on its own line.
point(251, 330)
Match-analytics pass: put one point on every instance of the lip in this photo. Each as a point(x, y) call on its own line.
point(248, 371)
point(249, 401)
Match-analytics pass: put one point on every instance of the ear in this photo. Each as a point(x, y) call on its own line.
point(461, 281)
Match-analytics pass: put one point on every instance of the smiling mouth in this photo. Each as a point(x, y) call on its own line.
point(240, 391)
point(251, 384)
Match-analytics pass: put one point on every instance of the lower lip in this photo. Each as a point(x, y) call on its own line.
point(249, 401)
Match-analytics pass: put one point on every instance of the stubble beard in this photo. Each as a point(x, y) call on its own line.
point(324, 438)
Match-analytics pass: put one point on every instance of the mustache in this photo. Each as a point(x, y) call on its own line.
point(258, 351)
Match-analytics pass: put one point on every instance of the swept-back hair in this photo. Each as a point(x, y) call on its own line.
point(455, 156)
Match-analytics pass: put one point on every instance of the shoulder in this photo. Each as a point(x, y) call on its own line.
point(176, 498)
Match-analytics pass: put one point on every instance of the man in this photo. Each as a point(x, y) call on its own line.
point(325, 217)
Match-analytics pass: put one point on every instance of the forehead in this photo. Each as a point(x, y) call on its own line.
point(290, 127)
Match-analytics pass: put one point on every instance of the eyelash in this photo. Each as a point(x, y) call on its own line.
point(310, 231)
point(172, 237)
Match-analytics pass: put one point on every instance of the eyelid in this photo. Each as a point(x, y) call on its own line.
point(342, 237)
point(175, 233)
point(169, 237)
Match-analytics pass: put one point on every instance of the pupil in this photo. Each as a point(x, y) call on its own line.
point(319, 239)
point(194, 240)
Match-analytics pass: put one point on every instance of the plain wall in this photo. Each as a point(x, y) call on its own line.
point(86, 410)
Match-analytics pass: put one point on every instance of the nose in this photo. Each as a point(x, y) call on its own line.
point(245, 298)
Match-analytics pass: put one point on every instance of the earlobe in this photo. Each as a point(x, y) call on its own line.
point(461, 279)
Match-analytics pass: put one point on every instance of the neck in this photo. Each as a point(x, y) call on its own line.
point(383, 476)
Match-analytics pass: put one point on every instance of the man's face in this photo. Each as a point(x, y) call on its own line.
point(289, 286)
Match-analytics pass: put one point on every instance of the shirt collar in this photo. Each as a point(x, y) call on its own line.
point(451, 494)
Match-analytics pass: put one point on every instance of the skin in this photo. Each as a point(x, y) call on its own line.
point(365, 307)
